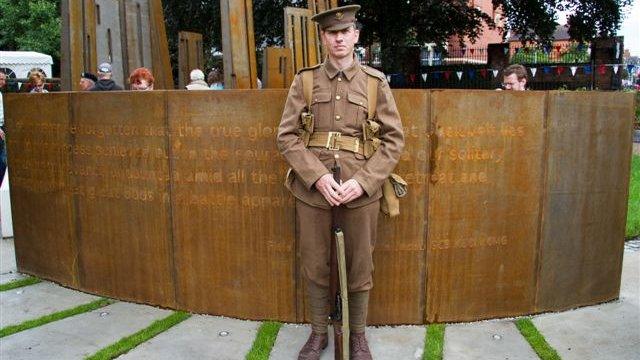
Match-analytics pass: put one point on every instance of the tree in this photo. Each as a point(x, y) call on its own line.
point(411, 22)
point(535, 20)
point(31, 25)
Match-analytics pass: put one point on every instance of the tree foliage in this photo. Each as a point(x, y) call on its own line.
point(32, 25)
point(536, 20)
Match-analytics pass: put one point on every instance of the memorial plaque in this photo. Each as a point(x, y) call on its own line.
point(120, 186)
point(585, 201)
point(42, 208)
point(233, 218)
point(401, 244)
point(484, 200)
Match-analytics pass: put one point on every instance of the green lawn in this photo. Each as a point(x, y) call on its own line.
point(633, 212)
point(434, 342)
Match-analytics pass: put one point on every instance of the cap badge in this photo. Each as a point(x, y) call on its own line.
point(339, 15)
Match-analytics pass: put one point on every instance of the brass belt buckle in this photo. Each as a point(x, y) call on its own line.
point(332, 140)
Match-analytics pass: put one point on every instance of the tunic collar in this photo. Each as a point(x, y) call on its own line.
point(349, 72)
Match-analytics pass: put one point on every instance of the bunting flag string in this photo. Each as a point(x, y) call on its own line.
point(389, 78)
point(602, 69)
point(485, 73)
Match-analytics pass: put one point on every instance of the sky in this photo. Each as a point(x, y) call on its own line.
point(630, 28)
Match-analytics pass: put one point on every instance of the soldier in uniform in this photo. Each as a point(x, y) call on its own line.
point(339, 105)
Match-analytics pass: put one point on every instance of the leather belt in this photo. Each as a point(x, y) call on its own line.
point(334, 140)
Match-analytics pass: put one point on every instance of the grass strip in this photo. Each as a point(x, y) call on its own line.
point(129, 342)
point(266, 337)
point(434, 342)
point(29, 324)
point(536, 340)
point(19, 283)
point(633, 210)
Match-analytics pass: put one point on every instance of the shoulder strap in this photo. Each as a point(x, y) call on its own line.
point(372, 96)
point(307, 87)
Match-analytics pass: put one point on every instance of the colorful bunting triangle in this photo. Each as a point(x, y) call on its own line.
point(587, 69)
point(459, 73)
point(573, 70)
point(424, 77)
point(615, 68)
point(495, 72)
point(533, 71)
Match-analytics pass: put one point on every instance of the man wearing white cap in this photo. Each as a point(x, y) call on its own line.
point(104, 82)
point(327, 116)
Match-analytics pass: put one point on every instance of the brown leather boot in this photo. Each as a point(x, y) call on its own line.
point(314, 346)
point(359, 347)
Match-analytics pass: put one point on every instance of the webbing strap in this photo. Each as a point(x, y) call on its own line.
point(307, 87)
point(372, 96)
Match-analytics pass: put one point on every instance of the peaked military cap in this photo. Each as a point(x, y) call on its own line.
point(337, 18)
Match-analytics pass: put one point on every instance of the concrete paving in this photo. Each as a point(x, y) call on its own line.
point(37, 300)
point(200, 337)
point(7, 257)
point(79, 336)
point(606, 331)
point(496, 339)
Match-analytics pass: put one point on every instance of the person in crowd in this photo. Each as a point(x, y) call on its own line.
point(141, 79)
point(36, 81)
point(334, 139)
point(514, 77)
point(215, 80)
point(197, 81)
point(3, 81)
point(105, 83)
point(87, 81)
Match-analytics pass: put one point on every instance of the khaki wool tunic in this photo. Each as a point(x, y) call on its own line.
point(339, 104)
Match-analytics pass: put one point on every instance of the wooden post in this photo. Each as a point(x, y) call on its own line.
point(190, 56)
point(316, 7)
point(238, 45)
point(300, 37)
point(277, 69)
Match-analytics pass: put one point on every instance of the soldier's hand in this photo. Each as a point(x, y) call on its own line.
point(349, 191)
point(329, 189)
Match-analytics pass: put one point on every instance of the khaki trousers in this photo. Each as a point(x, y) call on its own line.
point(314, 233)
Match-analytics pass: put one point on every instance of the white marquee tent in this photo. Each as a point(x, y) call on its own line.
point(20, 62)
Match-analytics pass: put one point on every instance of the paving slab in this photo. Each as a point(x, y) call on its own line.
point(290, 340)
point(199, 338)
point(7, 256)
point(396, 342)
point(491, 340)
point(606, 331)
point(11, 276)
point(34, 301)
point(81, 335)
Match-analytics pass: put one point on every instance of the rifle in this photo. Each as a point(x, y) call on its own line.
point(338, 297)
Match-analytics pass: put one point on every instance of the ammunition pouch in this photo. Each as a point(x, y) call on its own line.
point(371, 142)
point(394, 188)
point(306, 127)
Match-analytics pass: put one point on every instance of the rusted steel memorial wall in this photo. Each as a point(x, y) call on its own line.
point(517, 202)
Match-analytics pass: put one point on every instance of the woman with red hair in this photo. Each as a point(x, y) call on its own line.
point(141, 79)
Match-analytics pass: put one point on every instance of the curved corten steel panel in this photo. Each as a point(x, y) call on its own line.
point(175, 198)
